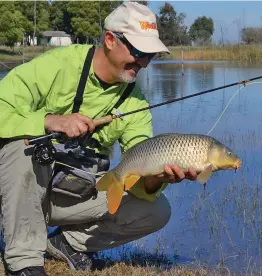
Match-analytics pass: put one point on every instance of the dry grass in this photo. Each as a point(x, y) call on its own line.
point(243, 53)
point(57, 268)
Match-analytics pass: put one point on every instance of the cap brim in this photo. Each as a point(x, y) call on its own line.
point(147, 44)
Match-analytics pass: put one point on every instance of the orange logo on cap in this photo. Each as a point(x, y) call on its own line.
point(145, 25)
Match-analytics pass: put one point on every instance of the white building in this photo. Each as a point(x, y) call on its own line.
point(55, 38)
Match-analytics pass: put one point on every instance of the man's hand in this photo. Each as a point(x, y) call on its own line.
point(72, 125)
point(171, 174)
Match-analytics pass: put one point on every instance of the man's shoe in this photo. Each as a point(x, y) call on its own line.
point(28, 271)
point(59, 248)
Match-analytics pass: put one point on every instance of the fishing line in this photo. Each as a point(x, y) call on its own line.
point(223, 112)
point(71, 167)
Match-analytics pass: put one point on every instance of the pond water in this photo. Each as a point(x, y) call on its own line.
point(221, 226)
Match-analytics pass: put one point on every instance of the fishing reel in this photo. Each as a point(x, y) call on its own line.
point(44, 153)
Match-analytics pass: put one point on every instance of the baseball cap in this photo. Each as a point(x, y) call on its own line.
point(138, 25)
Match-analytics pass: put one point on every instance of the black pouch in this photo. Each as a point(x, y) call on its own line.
point(75, 174)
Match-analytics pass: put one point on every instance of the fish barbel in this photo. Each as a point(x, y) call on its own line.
point(201, 152)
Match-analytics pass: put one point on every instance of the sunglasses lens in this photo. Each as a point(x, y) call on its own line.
point(133, 51)
point(138, 54)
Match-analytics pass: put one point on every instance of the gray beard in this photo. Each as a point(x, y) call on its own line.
point(126, 79)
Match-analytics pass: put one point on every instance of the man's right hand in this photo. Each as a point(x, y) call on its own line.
point(73, 125)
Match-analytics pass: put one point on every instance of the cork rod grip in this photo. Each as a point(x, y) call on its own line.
point(103, 120)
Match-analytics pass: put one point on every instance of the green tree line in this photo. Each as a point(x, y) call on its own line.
point(83, 20)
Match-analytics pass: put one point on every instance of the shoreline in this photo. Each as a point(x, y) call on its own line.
point(9, 58)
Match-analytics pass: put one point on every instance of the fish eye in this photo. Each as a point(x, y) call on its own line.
point(229, 153)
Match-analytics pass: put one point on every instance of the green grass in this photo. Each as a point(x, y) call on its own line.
point(20, 54)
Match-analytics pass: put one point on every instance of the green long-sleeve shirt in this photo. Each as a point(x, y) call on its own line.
point(48, 84)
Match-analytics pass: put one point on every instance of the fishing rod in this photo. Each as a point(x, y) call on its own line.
point(109, 118)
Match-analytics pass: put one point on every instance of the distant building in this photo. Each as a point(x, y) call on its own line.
point(55, 38)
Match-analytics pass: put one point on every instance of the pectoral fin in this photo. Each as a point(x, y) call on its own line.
point(205, 175)
point(131, 181)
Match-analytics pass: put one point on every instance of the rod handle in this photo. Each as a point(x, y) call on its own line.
point(103, 120)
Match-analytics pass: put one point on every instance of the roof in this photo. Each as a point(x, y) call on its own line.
point(55, 34)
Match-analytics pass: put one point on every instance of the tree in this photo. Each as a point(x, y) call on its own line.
point(34, 10)
point(202, 30)
point(87, 18)
point(59, 16)
point(84, 20)
point(142, 2)
point(172, 30)
point(12, 24)
point(251, 35)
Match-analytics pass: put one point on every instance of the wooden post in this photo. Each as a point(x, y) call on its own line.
point(182, 61)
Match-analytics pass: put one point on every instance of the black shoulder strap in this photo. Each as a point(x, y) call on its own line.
point(78, 100)
point(126, 93)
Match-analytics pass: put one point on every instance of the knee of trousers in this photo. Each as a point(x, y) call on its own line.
point(160, 212)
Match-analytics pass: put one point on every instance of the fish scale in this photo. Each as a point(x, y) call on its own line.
point(169, 149)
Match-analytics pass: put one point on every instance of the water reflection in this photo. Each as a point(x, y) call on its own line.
point(2, 74)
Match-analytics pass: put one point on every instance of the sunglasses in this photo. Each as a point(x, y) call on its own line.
point(133, 51)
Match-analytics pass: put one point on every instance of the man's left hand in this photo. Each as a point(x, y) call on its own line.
point(171, 174)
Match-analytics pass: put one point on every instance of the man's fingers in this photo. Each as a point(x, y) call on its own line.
point(175, 173)
point(87, 121)
point(72, 131)
point(83, 128)
point(178, 172)
point(191, 174)
point(168, 170)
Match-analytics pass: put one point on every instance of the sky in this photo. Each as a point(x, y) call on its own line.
point(229, 16)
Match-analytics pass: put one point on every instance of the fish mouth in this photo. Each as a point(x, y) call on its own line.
point(238, 164)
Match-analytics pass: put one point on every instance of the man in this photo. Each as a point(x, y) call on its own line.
point(37, 98)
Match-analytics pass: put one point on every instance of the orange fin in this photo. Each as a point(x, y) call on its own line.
point(114, 196)
point(104, 183)
point(130, 181)
point(114, 187)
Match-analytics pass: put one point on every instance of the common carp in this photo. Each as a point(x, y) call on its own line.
point(201, 152)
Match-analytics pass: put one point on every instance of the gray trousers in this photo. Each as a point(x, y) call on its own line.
point(87, 225)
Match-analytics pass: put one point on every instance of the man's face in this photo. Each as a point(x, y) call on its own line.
point(127, 59)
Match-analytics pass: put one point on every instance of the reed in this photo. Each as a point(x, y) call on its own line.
point(242, 53)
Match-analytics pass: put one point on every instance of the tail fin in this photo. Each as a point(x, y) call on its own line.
point(114, 187)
